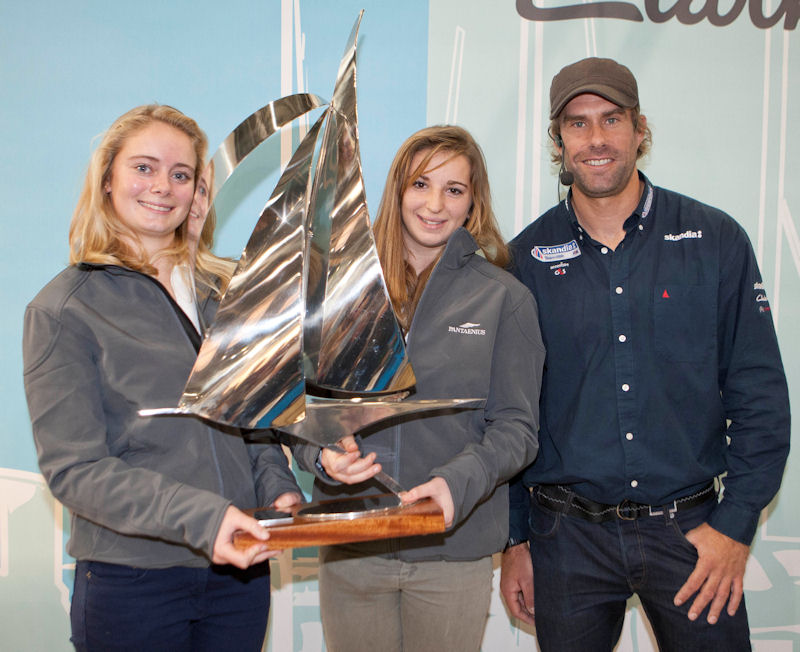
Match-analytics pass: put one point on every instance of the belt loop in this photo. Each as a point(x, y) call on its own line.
point(563, 503)
point(568, 499)
point(668, 511)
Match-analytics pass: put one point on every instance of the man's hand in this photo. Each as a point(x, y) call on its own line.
point(349, 467)
point(224, 550)
point(436, 489)
point(718, 575)
point(516, 582)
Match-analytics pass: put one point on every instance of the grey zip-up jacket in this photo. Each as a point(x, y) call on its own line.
point(101, 342)
point(475, 334)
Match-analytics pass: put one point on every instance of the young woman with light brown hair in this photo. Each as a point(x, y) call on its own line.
point(471, 331)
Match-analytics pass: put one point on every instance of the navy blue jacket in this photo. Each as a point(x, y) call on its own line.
point(651, 349)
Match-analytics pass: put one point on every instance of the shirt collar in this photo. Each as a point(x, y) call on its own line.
point(638, 217)
point(642, 211)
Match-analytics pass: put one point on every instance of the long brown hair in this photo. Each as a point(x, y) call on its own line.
point(96, 234)
point(211, 270)
point(404, 286)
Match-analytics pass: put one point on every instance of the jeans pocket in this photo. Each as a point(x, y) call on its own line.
point(689, 519)
point(98, 571)
point(680, 536)
point(542, 522)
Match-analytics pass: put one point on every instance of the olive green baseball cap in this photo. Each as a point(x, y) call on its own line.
point(603, 77)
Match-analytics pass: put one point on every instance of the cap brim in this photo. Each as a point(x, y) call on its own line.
point(606, 92)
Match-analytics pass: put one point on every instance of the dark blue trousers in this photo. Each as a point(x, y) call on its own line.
point(584, 572)
point(177, 609)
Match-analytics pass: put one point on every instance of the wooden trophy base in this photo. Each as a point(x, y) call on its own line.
point(328, 528)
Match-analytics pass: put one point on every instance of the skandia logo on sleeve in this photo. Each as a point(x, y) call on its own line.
point(691, 235)
point(554, 253)
point(467, 328)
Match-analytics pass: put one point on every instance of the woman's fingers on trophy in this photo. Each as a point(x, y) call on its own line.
point(349, 468)
point(225, 552)
point(437, 490)
point(287, 500)
point(348, 444)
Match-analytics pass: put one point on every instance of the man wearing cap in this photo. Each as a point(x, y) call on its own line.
point(662, 373)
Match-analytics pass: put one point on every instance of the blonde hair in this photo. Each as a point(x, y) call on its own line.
point(404, 286)
point(96, 234)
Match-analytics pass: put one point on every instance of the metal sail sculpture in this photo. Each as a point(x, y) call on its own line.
point(307, 313)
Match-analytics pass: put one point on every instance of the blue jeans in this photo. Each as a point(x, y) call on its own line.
point(119, 608)
point(584, 573)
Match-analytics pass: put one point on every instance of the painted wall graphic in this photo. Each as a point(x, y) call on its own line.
point(719, 83)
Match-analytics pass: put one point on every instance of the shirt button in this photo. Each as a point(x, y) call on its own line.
point(618, 290)
point(622, 338)
point(603, 250)
point(628, 436)
point(641, 228)
point(634, 483)
point(625, 387)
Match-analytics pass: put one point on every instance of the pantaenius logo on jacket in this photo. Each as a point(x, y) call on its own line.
point(467, 328)
point(553, 253)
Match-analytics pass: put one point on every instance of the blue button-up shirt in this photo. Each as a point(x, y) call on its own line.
point(662, 368)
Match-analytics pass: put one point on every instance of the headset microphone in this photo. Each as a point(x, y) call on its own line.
point(564, 176)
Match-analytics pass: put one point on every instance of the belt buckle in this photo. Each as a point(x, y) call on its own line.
point(671, 511)
point(621, 506)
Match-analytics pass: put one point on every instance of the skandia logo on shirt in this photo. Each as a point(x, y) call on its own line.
point(692, 235)
point(467, 328)
point(553, 253)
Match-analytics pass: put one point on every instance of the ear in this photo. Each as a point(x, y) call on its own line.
point(641, 127)
point(559, 144)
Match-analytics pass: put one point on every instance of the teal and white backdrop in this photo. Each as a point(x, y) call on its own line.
point(719, 83)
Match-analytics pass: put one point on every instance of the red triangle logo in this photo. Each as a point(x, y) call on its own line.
point(665, 295)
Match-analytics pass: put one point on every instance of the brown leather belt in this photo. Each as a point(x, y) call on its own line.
point(561, 499)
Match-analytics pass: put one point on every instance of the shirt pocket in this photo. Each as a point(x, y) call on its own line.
point(684, 322)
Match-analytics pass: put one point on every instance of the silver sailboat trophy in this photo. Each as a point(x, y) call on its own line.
point(305, 339)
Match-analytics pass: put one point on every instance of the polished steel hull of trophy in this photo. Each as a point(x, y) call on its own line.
point(305, 340)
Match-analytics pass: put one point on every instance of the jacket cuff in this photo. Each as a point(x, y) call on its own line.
point(197, 515)
point(519, 507)
point(320, 471)
point(736, 522)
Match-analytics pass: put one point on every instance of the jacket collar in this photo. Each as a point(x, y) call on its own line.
point(460, 248)
point(188, 326)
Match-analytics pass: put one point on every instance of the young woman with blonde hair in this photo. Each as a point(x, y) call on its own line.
point(472, 331)
point(154, 501)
